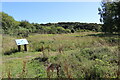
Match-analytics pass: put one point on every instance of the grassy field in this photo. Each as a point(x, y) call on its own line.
point(80, 55)
point(0, 55)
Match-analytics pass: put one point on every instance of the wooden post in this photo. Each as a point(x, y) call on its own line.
point(25, 47)
point(19, 48)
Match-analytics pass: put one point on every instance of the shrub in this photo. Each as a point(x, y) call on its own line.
point(11, 51)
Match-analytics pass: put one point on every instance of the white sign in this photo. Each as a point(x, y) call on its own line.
point(21, 41)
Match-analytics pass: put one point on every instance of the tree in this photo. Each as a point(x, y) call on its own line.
point(106, 16)
point(109, 15)
point(27, 25)
point(8, 23)
point(117, 15)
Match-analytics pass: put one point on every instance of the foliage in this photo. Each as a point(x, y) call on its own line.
point(109, 15)
point(8, 23)
point(24, 28)
point(27, 25)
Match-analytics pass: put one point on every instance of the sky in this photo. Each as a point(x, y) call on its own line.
point(53, 12)
point(50, 0)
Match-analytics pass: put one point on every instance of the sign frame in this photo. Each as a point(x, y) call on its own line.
point(21, 41)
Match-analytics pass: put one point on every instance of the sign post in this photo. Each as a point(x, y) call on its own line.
point(20, 42)
point(19, 48)
point(25, 47)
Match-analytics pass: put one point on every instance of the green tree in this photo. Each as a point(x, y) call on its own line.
point(109, 15)
point(117, 15)
point(8, 23)
point(27, 25)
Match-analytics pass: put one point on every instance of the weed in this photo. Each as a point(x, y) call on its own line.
point(53, 67)
point(66, 69)
point(60, 49)
point(24, 73)
point(9, 74)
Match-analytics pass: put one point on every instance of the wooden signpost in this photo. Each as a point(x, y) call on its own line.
point(20, 42)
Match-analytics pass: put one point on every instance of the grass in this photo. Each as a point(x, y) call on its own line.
point(0, 54)
point(81, 55)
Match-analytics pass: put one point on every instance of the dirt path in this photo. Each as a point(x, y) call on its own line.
point(26, 58)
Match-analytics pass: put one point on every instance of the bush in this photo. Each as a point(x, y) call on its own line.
point(11, 51)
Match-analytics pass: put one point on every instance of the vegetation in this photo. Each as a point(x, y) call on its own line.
point(110, 16)
point(24, 28)
point(63, 49)
point(80, 55)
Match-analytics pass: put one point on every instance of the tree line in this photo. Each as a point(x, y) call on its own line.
point(109, 15)
point(24, 28)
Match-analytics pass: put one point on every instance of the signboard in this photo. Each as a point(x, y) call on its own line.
point(21, 41)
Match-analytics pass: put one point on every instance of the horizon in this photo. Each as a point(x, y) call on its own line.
point(53, 12)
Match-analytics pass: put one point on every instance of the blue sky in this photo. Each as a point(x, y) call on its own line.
point(45, 12)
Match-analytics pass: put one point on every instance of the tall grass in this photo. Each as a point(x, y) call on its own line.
point(80, 55)
point(55, 41)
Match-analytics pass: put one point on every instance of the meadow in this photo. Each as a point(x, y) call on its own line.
point(80, 55)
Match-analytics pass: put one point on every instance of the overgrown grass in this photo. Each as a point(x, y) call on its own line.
point(19, 69)
point(82, 55)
